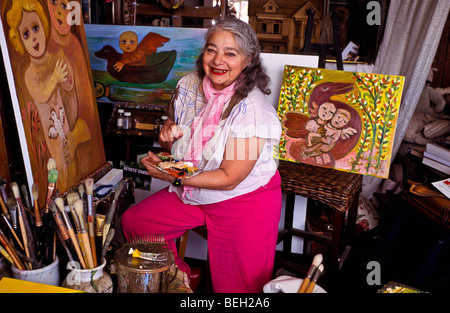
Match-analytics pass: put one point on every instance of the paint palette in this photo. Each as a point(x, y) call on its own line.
point(176, 168)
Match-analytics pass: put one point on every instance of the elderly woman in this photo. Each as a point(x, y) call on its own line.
point(220, 120)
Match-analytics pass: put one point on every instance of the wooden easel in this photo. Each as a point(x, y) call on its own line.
point(323, 48)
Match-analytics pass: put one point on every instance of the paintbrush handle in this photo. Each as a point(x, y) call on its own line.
point(37, 214)
point(107, 242)
point(61, 226)
point(105, 232)
point(91, 231)
point(314, 280)
point(48, 231)
point(11, 251)
point(310, 287)
point(24, 237)
point(13, 232)
point(80, 241)
point(29, 233)
point(304, 285)
point(76, 246)
point(4, 208)
point(87, 249)
point(6, 254)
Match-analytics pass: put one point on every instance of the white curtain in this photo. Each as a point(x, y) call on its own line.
point(412, 34)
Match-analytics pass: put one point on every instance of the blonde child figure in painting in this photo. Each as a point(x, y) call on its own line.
point(135, 53)
point(326, 137)
point(46, 77)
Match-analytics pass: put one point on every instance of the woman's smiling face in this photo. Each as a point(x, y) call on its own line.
point(223, 62)
point(32, 34)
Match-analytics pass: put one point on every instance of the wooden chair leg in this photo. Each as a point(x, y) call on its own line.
point(181, 244)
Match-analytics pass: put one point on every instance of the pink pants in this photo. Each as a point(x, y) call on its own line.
point(242, 232)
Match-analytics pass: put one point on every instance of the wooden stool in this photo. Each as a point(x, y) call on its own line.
point(196, 273)
point(337, 189)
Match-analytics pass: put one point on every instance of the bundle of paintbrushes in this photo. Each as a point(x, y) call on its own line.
point(30, 236)
point(313, 275)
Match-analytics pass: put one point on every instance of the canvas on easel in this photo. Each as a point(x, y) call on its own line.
point(337, 119)
point(45, 55)
point(141, 64)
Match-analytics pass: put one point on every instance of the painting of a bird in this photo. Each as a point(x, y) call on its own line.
point(57, 129)
point(139, 63)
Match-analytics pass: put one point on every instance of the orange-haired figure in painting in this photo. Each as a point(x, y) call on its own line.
point(135, 53)
point(81, 115)
point(46, 77)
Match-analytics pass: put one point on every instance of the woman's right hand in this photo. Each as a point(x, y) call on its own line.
point(169, 133)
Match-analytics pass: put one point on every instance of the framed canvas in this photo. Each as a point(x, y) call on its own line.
point(47, 64)
point(154, 59)
point(341, 120)
point(274, 64)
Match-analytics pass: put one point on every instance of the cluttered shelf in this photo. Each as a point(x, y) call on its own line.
point(427, 181)
point(131, 120)
point(430, 162)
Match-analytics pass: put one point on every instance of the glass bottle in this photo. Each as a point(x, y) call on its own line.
point(120, 119)
point(163, 120)
point(127, 123)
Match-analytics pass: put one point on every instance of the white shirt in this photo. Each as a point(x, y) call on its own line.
point(254, 116)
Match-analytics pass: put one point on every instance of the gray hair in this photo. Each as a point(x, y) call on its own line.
point(247, 42)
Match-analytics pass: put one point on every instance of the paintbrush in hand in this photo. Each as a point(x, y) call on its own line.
point(60, 204)
point(28, 239)
point(84, 235)
point(112, 210)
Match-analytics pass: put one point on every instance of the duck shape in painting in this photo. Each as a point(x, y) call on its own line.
point(139, 63)
point(322, 106)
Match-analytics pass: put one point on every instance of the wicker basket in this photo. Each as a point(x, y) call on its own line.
point(332, 187)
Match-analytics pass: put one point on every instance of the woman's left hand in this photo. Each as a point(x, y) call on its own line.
point(150, 163)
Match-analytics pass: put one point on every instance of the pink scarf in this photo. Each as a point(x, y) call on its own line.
point(205, 124)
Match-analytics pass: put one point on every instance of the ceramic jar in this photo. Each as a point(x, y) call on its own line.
point(93, 280)
point(48, 275)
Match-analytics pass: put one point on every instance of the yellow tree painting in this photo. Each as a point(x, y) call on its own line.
point(337, 119)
